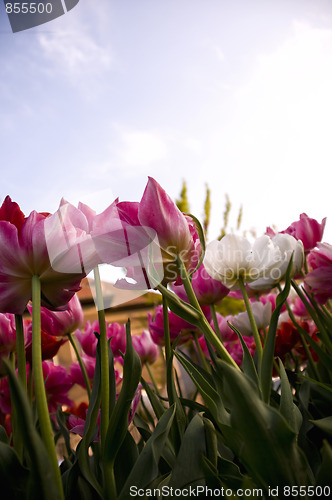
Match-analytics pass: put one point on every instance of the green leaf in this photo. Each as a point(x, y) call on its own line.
point(287, 407)
point(261, 437)
point(325, 424)
point(13, 476)
point(269, 345)
point(230, 474)
point(179, 423)
point(323, 356)
point(146, 468)
point(3, 435)
point(248, 365)
point(325, 387)
point(125, 460)
point(209, 394)
point(76, 486)
point(112, 377)
point(180, 307)
point(190, 471)
point(142, 427)
point(90, 429)
point(61, 419)
point(211, 442)
point(118, 424)
point(324, 477)
point(39, 464)
point(168, 454)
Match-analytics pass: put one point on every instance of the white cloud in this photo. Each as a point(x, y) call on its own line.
point(215, 49)
point(289, 92)
point(74, 52)
point(193, 144)
point(142, 148)
point(77, 48)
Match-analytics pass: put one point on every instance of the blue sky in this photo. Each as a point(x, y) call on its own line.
point(234, 94)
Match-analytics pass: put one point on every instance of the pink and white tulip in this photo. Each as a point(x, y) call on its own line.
point(55, 247)
point(146, 237)
point(306, 229)
point(319, 279)
point(145, 347)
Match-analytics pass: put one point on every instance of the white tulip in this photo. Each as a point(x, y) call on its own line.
point(288, 246)
point(262, 314)
point(234, 257)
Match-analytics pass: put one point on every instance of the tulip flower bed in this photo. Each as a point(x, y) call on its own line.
point(249, 324)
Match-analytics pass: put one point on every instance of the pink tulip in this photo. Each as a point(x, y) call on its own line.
point(146, 237)
point(117, 334)
point(87, 338)
point(299, 309)
point(308, 230)
point(55, 247)
point(7, 337)
point(122, 241)
point(61, 323)
point(176, 234)
point(207, 290)
point(90, 366)
point(145, 347)
point(225, 330)
point(319, 280)
point(114, 331)
point(230, 341)
point(177, 326)
point(58, 382)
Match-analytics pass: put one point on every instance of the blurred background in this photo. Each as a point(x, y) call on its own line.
point(235, 95)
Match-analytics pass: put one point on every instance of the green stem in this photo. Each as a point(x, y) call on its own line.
point(168, 353)
point(210, 335)
point(80, 362)
point(258, 343)
point(20, 351)
point(17, 437)
point(30, 383)
point(326, 311)
point(40, 393)
point(153, 380)
point(110, 483)
point(177, 430)
point(215, 319)
point(104, 362)
point(303, 341)
point(201, 355)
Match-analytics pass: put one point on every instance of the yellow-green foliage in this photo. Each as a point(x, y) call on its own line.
point(183, 203)
point(207, 209)
point(228, 206)
point(229, 305)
